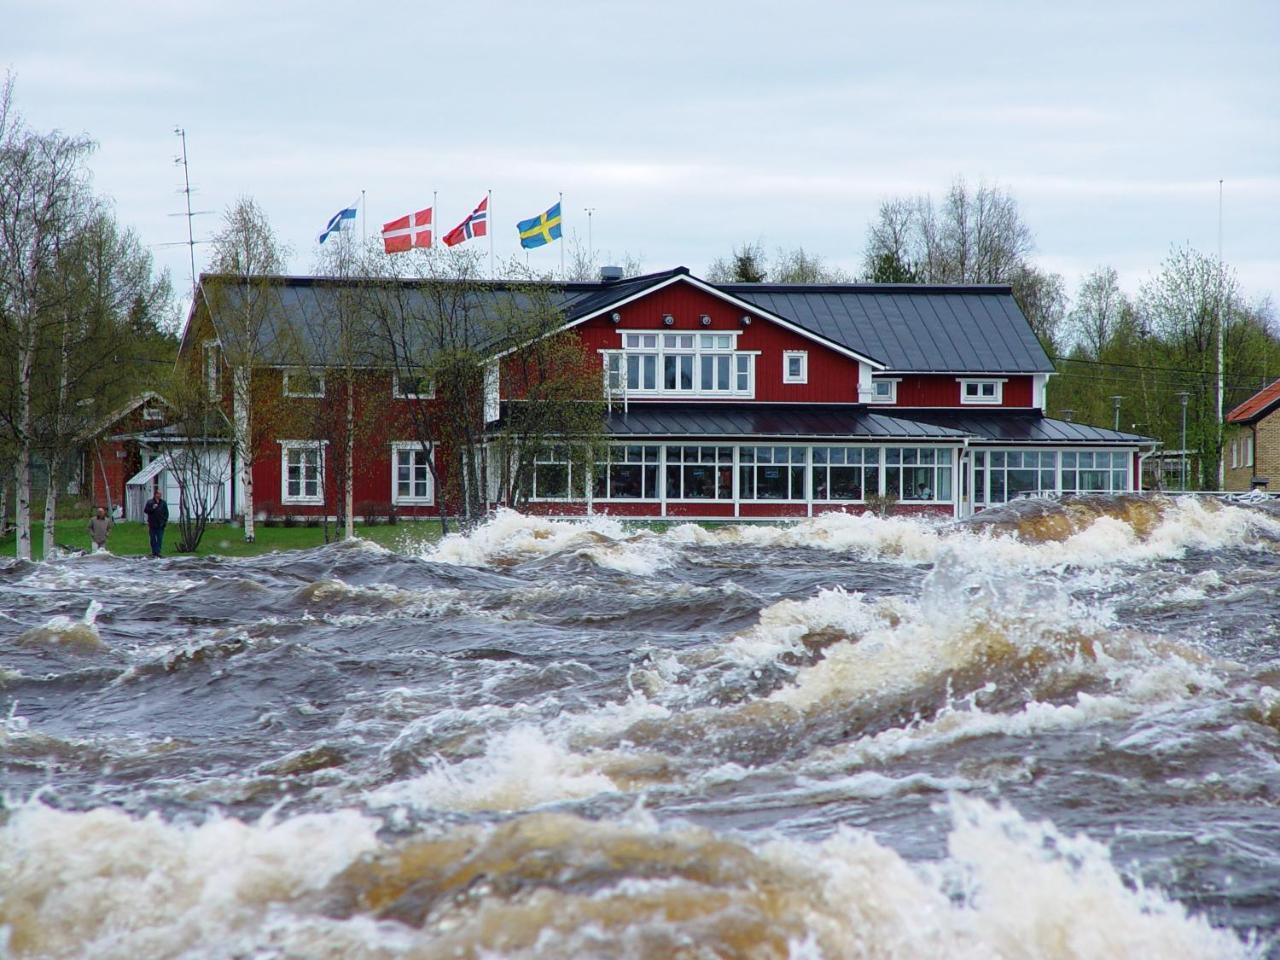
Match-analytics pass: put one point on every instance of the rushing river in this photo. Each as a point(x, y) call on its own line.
point(1050, 732)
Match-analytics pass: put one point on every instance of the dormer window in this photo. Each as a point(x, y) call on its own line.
point(884, 390)
point(795, 366)
point(989, 392)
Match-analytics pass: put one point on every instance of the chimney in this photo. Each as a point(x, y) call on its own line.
point(610, 274)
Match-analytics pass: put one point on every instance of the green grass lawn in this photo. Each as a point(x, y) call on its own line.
point(225, 540)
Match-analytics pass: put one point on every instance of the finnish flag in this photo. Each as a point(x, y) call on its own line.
point(344, 219)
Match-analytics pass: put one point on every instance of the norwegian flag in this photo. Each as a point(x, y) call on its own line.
point(476, 225)
point(412, 230)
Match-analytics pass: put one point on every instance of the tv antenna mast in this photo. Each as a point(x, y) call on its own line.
point(191, 241)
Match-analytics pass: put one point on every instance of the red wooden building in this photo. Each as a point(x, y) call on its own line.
point(741, 400)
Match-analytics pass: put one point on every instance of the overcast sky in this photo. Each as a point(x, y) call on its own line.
point(688, 127)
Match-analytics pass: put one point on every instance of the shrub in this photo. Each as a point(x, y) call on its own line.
point(289, 520)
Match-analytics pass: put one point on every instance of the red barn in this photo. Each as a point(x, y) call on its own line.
point(734, 400)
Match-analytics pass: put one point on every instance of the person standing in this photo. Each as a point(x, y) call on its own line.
point(99, 529)
point(157, 512)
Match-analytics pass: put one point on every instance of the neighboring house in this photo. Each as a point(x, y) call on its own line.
point(1252, 441)
point(129, 453)
point(747, 400)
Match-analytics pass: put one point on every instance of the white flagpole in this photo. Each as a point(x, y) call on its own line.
point(562, 235)
point(435, 219)
point(364, 220)
point(489, 227)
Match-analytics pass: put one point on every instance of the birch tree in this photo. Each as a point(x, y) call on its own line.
point(248, 254)
point(44, 201)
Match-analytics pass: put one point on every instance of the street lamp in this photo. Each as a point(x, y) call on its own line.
point(1115, 403)
point(1183, 395)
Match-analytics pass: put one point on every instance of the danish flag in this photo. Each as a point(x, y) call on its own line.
point(475, 225)
point(412, 230)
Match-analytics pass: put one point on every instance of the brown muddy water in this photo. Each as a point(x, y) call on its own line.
point(1051, 732)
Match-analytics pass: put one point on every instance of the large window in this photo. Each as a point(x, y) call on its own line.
point(917, 473)
point(557, 477)
point(629, 473)
point(845, 473)
point(771, 473)
point(1095, 471)
point(411, 474)
point(1015, 473)
point(699, 473)
point(680, 363)
point(302, 472)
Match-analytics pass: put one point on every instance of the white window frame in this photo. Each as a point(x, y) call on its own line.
point(617, 372)
point(151, 412)
point(212, 366)
point(411, 500)
point(997, 391)
point(1235, 455)
point(400, 394)
point(1248, 449)
point(893, 390)
point(288, 392)
point(287, 447)
point(803, 357)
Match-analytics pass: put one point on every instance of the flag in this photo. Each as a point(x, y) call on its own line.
point(476, 225)
point(344, 219)
point(540, 230)
point(411, 230)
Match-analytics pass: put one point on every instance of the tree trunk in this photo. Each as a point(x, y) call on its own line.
point(4, 504)
point(349, 529)
point(240, 401)
point(22, 472)
point(51, 508)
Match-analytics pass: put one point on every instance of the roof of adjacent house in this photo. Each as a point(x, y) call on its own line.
point(903, 327)
point(1258, 406)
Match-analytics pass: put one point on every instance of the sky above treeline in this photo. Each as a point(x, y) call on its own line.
point(686, 127)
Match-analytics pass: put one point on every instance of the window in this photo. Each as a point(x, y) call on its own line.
point(1248, 450)
point(557, 477)
point(845, 473)
point(299, 383)
point(771, 473)
point(700, 473)
point(212, 365)
point(681, 363)
point(1014, 473)
point(412, 387)
point(1095, 471)
point(302, 473)
point(411, 474)
point(795, 366)
point(1235, 455)
point(628, 473)
point(917, 473)
point(884, 390)
point(981, 391)
point(152, 412)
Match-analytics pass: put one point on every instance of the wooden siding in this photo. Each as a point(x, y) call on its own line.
point(943, 390)
point(832, 376)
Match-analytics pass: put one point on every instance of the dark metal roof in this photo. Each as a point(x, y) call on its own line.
point(1017, 426)
point(912, 328)
point(908, 327)
point(719, 420)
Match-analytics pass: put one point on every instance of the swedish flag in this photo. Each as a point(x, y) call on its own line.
point(540, 230)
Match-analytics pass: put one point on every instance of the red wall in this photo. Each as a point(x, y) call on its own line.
point(943, 390)
point(833, 377)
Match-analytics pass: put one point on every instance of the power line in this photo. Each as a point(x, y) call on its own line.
point(1182, 371)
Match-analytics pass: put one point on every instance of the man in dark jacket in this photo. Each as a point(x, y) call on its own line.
point(157, 512)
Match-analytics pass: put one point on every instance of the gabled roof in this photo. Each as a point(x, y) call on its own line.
point(898, 327)
point(1258, 406)
point(118, 414)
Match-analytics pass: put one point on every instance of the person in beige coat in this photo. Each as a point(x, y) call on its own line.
point(99, 529)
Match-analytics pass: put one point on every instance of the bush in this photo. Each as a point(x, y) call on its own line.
point(313, 521)
point(289, 520)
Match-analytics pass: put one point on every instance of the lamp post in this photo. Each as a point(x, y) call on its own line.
point(1183, 395)
point(1115, 403)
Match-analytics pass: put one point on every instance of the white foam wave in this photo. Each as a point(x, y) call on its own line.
point(521, 768)
point(511, 537)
